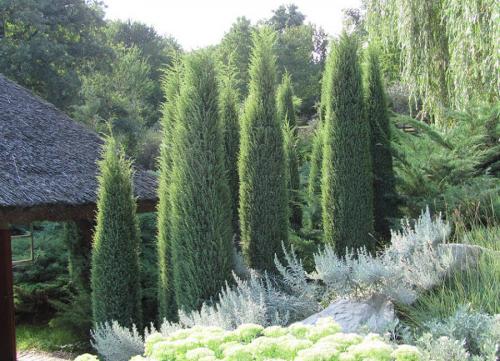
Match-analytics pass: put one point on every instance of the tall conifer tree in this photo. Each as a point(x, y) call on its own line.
point(346, 187)
point(262, 163)
point(229, 116)
point(115, 275)
point(201, 233)
point(384, 197)
point(314, 180)
point(166, 297)
point(286, 115)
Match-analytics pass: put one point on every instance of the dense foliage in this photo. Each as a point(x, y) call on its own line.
point(444, 51)
point(286, 116)
point(230, 122)
point(200, 215)
point(262, 163)
point(45, 45)
point(346, 184)
point(384, 197)
point(166, 296)
point(115, 277)
point(454, 169)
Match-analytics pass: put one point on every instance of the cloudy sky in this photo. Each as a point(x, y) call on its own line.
point(198, 23)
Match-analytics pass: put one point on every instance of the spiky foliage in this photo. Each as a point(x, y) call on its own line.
point(314, 180)
point(292, 177)
point(166, 297)
point(229, 118)
point(286, 115)
point(115, 276)
point(384, 198)
point(201, 233)
point(454, 169)
point(346, 187)
point(262, 163)
point(284, 102)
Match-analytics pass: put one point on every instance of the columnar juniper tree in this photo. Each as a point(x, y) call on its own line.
point(229, 117)
point(316, 161)
point(346, 187)
point(314, 179)
point(115, 276)
point(262, 164)
point(384, 204)
point(286, 115)
point(201, 233)
point(166, 297)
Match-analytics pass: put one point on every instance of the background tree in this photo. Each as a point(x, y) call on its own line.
point(299, 50)
point(119, 96)
point(286, 116)
point(166, 292)
point(229, 118)
point(201, 231)
point(47, 43)
point(115, 276)
point(286, 16)
point(262, 163)
point(428, 43)
point(353, 21)
point(235, 48)
point(346, 187)
point(384, 205)
point(158, 51)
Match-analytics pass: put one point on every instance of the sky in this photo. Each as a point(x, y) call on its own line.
point(198, 23)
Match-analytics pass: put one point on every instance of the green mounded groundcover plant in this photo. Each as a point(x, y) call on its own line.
point(251, 342)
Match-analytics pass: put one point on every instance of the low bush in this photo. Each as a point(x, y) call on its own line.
point(252, 342)
point(44, 280)
point(475, 329)
point(412, 264)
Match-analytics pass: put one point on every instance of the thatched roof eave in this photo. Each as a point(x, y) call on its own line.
point(48, 162)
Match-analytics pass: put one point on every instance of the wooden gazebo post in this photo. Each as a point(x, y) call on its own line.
point(7, 319)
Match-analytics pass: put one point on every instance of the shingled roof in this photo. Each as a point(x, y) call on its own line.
point(48, 161)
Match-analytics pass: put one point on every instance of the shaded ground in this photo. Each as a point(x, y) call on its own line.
point(42, 356)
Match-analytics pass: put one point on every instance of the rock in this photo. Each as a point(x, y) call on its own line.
point(463, 256)
point(375, 314)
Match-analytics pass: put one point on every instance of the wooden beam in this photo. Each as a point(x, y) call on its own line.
point(7, 316)
point(61, 212)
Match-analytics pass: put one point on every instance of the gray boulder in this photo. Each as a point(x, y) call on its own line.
point(463, 256)
point(374, 314)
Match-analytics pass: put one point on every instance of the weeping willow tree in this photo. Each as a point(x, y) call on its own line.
point(381, 24)
point(446, 50)
point(473, 30)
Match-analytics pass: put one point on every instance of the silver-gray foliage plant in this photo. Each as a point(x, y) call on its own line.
point(413, 262)
point(479, 332)
point(116, 343)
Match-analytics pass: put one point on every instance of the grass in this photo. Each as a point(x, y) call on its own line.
point(47, 339)
point(477, 286)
